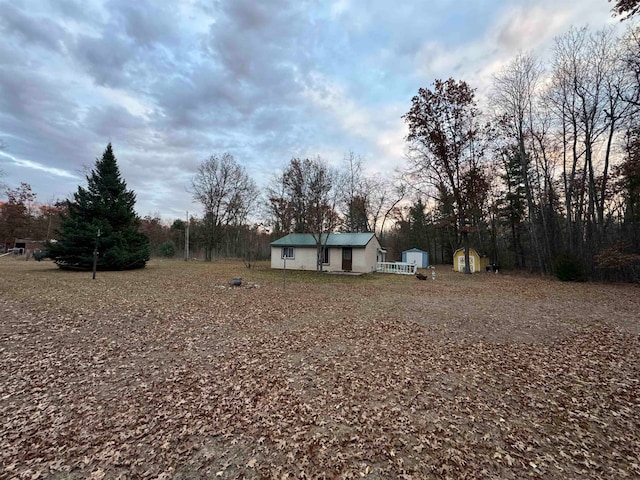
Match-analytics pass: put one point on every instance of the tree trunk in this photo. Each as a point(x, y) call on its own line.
point(465, 242)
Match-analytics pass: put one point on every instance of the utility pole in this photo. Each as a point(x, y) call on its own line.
point(186, 239)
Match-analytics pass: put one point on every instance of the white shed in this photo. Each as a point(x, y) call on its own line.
point(416, 256)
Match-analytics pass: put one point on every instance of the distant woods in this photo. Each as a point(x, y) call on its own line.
point(544, 177)
point(226, 193)
point(549, 174)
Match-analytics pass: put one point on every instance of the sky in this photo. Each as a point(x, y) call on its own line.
point(171, 83)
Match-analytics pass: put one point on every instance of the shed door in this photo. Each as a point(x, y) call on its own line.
point(346, 259)
point(415, 257)
point(472, 263)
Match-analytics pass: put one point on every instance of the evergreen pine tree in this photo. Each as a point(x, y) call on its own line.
point(419, 234)
point(513, 206)
point(102, 212)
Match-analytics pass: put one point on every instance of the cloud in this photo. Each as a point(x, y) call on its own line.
point(527, 26)
point(115, 121)
point(106, 60)
point(148, 23)
point(528, 29)
point(31, 29)
point(377, 133)
point(38, 166)
point(170, 83)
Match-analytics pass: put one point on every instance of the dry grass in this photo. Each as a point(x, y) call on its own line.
point(167, 372)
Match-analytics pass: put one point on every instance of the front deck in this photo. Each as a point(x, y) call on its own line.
point(400, 268)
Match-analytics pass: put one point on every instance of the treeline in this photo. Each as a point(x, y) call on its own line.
point(249, 242)
point(546, 178)
point(21, 216)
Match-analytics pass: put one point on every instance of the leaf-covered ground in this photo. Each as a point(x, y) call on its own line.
point(168, 372)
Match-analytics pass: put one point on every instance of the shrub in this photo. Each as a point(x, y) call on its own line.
point(618, 263)
point(168, 249)
point(569, 269)
point(40, 255)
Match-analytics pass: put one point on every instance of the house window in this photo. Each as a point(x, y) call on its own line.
point(325, 256)
point(287, 252)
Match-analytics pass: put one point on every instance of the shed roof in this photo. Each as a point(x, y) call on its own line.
point(478, 252)
point(334, 240)
point(414, 250)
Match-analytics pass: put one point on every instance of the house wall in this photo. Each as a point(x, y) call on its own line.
point(363, 259)
point(28, 246)
point(335, 260)
point(305, 258)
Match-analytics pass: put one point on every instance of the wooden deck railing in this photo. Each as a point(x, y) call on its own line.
point(396, 267)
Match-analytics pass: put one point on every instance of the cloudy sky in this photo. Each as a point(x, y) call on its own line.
point(171, 83)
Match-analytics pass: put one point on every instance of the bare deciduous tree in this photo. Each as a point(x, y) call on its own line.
point(445, 147)
point(308, 198)
point(631, 66)
point(226, 193)
point(356, 201)
point(279, 210)
point(589, 83)
point(514, 98)
point(384, 194)
point(368, 200)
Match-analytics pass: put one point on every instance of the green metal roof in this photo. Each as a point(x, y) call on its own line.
point(335, 240)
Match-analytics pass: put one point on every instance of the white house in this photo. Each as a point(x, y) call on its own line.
point(343, 252)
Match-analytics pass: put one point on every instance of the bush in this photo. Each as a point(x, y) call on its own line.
point(40, 255)
point(168, 249)
point(618, 263)
point(569, 269)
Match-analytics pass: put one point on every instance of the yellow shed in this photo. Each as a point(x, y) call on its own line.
point(477, 262)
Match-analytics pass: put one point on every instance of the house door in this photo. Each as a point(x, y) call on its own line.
point(346, 259)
